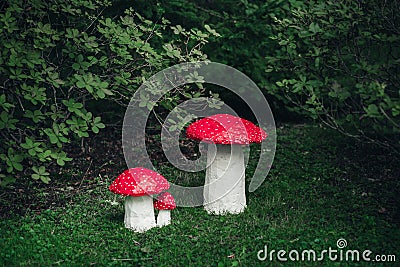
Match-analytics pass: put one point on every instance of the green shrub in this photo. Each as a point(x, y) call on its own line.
point(339, 62)
point(335, 61)
point(58, 56)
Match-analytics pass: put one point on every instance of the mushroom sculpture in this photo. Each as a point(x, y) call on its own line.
point(164, 204)
point(224, 189)
point(137, 184)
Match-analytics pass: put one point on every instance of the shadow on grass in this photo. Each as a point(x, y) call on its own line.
point(114, 217)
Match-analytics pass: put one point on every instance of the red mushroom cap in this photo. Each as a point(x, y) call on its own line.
point(225, 129)
point(139, 182)
point(165, 201)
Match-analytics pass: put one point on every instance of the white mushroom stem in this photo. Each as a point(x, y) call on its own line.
point(163, 218)
point(224, 189)
point(139, 213)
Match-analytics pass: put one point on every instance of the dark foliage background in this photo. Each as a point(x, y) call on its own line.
point(336, 62)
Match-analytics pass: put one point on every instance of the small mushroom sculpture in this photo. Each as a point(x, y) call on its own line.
point(137, 184)
point(164, 204)
point(224, 189)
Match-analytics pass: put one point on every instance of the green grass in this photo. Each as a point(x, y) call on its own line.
point(322, 187)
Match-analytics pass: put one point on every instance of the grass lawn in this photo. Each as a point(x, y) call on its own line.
point(322, 187)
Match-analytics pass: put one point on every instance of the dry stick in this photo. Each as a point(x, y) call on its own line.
point(114, 259)
point(83, 178)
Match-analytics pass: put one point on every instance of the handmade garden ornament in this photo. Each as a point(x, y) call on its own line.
point(224, 189)
point(138, 184)
point(164, 204)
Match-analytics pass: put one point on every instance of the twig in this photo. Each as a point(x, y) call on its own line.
point(87, 170)
point(114, 259)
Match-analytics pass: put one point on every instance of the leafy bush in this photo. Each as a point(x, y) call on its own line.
point(59, 56)
point(243, 42)
point(339, 62)
point(335, 61)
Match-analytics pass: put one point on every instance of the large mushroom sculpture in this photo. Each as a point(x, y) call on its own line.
point(138, 184)
point(224, 189)
point(164, 203)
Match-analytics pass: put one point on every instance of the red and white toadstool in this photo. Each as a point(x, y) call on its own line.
point(164, 203)
point(224, 189)
point(137, 184)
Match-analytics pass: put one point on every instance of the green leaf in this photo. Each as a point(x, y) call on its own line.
point(76, 66)
point(101, 94)
point(3, 103)
point(95, 129)
point(107, 91)
point(17, 166)
point(373, 111)
point(45, 179)
point(28, 143)
point(213, 32)
point(40, 173)
point(142, 104)
point(80, 84)
point(6, 180)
